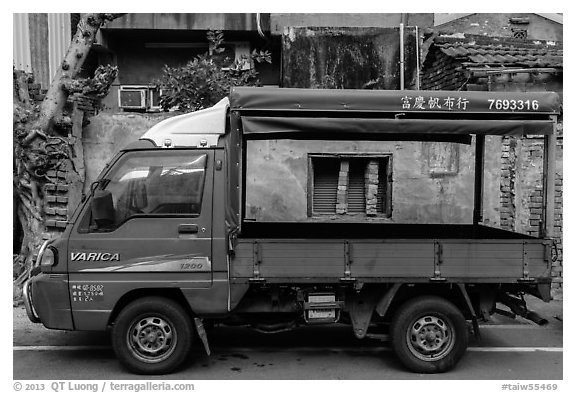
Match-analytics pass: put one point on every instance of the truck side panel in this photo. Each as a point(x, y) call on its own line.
point(462, 260)
point(392, 259)
point(473, 260)
point(290, 259)
point(538, 259)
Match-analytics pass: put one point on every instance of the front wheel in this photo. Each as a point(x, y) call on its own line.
point(152, 335)
point(429, 334)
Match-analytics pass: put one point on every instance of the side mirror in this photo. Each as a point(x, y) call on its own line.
point(102, 208)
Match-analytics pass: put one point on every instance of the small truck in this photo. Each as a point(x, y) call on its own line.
point(279, 208)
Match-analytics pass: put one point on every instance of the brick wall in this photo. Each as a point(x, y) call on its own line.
point(88, 105)
point(521, 160)
point(507, 184)
point(371, 184)
point(521, 200)
point(441, 72)
point(522, 195)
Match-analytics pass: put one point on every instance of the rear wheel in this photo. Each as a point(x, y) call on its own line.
point(152, 335)
point(429, 334)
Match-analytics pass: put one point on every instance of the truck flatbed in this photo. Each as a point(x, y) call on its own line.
point(292, 252)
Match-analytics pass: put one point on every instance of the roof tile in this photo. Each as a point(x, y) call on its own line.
point(505, 54)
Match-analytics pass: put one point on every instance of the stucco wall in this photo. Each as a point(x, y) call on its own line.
point(107, 134)
point(277, 175)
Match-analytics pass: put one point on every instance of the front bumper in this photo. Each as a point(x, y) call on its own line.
point(47, 300)
point(26, 292)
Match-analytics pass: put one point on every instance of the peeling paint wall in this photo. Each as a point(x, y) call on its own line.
point(277, 175)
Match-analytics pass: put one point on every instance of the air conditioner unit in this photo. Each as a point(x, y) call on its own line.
point(132, 97)
point(154, 98)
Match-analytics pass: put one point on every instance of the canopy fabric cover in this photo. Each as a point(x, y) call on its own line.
point(379, 114)
point(397, 101)
point(369, 128)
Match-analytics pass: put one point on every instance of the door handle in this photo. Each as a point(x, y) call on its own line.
point(187, 228)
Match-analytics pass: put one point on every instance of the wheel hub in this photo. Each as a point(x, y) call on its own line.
point(152, 339)
point(430, 338)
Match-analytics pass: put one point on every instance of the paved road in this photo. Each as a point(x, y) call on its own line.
point(508, 351)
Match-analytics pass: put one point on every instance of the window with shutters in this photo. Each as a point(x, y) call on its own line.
point(348, 185)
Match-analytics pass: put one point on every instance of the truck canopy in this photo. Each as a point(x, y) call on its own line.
point(382, 114)
point(283, 113)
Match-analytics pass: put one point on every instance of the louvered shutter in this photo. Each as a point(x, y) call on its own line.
point(356, 188)
point(325, 185)
point(382, 186)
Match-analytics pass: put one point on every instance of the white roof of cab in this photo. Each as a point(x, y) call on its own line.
point(188, 129)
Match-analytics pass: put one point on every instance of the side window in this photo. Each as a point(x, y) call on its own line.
point(350, 185)
point(154, 183)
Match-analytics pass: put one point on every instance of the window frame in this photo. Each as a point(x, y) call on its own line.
point(85, 218)
point(386, 157)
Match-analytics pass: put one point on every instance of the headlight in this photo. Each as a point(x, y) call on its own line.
point(48, 258)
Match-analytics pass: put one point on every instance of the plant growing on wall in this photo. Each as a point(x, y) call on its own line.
point(43, 141)
point(205, 80)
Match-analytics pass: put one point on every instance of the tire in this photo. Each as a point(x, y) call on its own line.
point(152, 335)
point(429, 334)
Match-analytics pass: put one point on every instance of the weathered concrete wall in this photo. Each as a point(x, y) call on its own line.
point(107, 134)
point(279, 21)
point(492, 176)
point(346, 58)
point(432, 182)
point(190, 21)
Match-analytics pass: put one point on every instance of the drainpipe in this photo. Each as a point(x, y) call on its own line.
point(402, 54)
point(259, 25)
point(549, 179)
point(417, 60)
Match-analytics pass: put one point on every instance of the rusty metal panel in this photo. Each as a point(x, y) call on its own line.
point(21, 42)
point(392, 259)
point(482, 259)
point(59, 37)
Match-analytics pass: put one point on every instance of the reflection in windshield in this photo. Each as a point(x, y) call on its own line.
point(151, 183)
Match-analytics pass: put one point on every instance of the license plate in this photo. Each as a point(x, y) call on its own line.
point(321, 314)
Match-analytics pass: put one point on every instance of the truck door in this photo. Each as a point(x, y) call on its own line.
point(161, 231)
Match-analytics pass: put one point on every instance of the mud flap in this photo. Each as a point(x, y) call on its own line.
point(475, 324)
point(360, 306)
point(202, 334)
